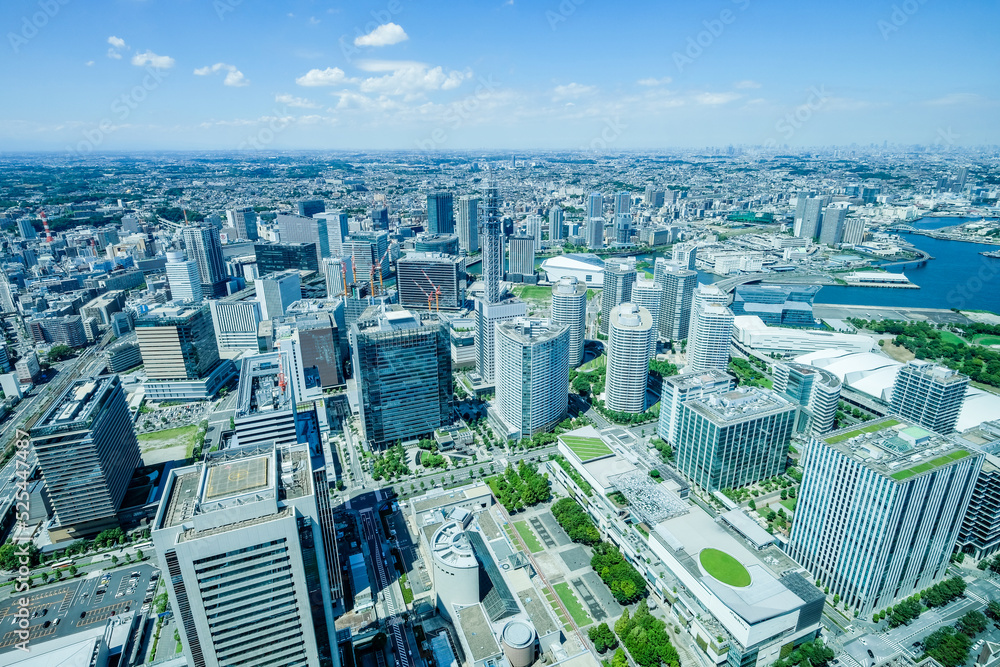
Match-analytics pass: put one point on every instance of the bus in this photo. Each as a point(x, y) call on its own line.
point(62, 565)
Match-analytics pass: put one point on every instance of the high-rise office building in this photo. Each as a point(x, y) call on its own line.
point(521, 257)
point(649, 295)
point(809, 225)
point(183, 277)
point(815, 390)
point(725, 441)
point(708, 344)
point(777, 305)
point(26, 229)
point(266, 401)
point(832, 230)
point(569, 307)
point(532, 376)
point(302, 229)
point(702, 295)
point(310, 207)
point(619, 277)
point(855, 230)
point(684, 255)
point(316, 342)
point(235, 323)
point(488, 316)
point(980, 532)
point(440, 213)
point(87, 450)
point(177, 342)
point(380, 218)
point(555, 223)
point(431, 281)
point(275, 257)
point(467, 224)
point(623, 228)
point(631, 330)
point(595, 205)
point(679, 388)
point(533, 227)
point(368, 249)
point(595, 233)
point(338, 273)
point(930, 395)
point(402, 363)
point(442, 243)
point(880, 510)
point(244, 220)
point(277, 291)
point(246, 543)
point(336, 230)
point(204, 247)
point(623, 204)
point(678, 289)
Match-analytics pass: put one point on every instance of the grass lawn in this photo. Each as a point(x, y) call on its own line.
point(594, 364)
point(951, 339)
point(871, 428)
point(171, 437)
point(524, 530)
point(724, 567)
point(586, 448)
point(986, 339)
point(930, 465)
point(533, 292)
point(572, 604)
point(789, 503)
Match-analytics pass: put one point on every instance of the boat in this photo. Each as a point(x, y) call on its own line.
point(992, 254)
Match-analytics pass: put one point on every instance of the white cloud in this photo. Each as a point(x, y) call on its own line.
point(331, 76)
point(89, 63)
point(234, 77)
point(713, 99)
point(955, 98)
point(313, 20)
point(297, 102)
point(117, 42)
point(384, 35)
point(408, 77)
point(150, 58)
point(654, 82)
point(572, 90)
point(746, 84)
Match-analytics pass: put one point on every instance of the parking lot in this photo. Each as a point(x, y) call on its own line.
point(63, 609)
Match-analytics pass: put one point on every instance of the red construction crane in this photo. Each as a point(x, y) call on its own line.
point(437, 290)
point(354, 272)
point(380, 284)
point(343, 274)
point(281, 375)
point(45, 224)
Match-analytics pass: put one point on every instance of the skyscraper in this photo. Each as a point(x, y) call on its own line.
point(685, 255)
point(619, 277)
point(812, 212)
point(492, 243)
point(569, 307)
point(679, 388)
point(277, 291)
point(930, 395)
point(431, 281)
point(177, 342)
point(649, 295)
point(301, 229)
point(380, 218)
point(855, 230)
point(87, 450)
point(338, 273)
point(880, 510)
point(249, 558)
point(623, 204)
point(733, 439)
point(678, 289)
point(555, 223)
point(488, 316)
point(183, 278)
point(533, 225)
point(26, 229)
point(402, 363)
point(310, 207)
point(244, 220)
point(204, 247)
point(595, 205)
point(467, 223)
point(336, 230)
point(832, 229)
point(704, 294)
point(440, 213)
point(266, 401)
point(595, 233)
point(521, 257)
point(532, 377)
point(274, 257)
point(235, 323)
point(815, 390)
point(623, 228)
point(708, 343)
point(631, 329)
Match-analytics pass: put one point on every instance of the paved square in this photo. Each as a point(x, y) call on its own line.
point(575, 558)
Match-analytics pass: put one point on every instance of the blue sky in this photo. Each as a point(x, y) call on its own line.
point(95, 75)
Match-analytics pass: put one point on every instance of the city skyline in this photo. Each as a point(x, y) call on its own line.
point(148, 76)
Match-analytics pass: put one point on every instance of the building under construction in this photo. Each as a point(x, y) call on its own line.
point(431, 281)
point(265, 407)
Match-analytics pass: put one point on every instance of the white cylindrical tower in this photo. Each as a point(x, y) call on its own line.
point(517, 639)
point(456, 570)
point(631, 329)
point(569, 307)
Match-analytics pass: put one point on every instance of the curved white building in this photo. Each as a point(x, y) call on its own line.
point(456, 570)
point(532, 379)
point(631, 329)
point(586, 268)
point(569, 307)
point(517, 639)
point(712, 331)
point(815, 389)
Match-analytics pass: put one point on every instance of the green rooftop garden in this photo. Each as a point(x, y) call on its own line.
point(586, 448)
point(929, 465)
point(724, 567)
point(871, 428)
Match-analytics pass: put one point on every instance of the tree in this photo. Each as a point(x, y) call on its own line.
point(808, 654)
point(972, 623)
point(993, 610)
point(58, 353)
point(947, 646)
point(72, 570)
point(619, 659)
point(602, 637)
point(138, 554)
point(114, 560)
point(379, 641)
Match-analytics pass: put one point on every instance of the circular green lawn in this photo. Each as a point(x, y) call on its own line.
point(724, 567)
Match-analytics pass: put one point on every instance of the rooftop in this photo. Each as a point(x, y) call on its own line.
point(260, 388)
point(530, 331)
point(740, 404)
point(477, 632)
point(75, 408)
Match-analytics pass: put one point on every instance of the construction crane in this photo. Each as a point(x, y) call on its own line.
point(281, 375)
point(185, 216)
point(343, 274)
point(437, 290)
point(381, 286)
point(45, 224)
point(354, 272)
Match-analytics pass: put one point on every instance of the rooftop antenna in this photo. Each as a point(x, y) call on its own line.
point(45, 224)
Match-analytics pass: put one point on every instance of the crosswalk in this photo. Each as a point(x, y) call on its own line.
point(394, 620)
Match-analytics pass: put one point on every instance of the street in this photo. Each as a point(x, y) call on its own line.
point(386, 589)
